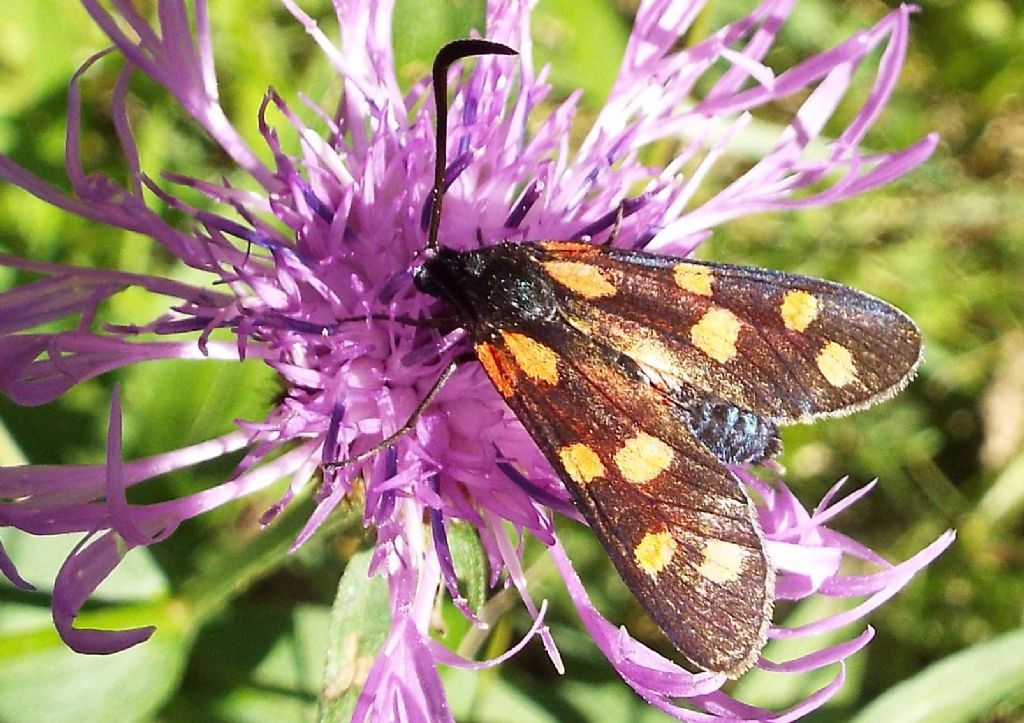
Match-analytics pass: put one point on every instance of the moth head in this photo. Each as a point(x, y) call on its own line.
point(444, 271)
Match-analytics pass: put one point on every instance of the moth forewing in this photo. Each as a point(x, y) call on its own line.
point(789, 348)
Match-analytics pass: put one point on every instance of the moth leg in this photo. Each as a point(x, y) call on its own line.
point(442, 322)
point(620, 213)
point(410, 422)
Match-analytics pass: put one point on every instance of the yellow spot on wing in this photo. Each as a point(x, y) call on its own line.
point(492, 364)
point(575, 247)
point(693, 278)
point(716, 334)
point(836, 364)
point(655, 359)
point(581, 462)
point(643, 458)
point(798, 310)
point(536, 360)
point(585, 279)
point(654, 552)
point(722, 561)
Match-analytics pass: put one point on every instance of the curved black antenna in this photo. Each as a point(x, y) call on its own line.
point(455, 50)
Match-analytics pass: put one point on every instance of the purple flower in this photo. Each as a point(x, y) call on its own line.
point(352, 205)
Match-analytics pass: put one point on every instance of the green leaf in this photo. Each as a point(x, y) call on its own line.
point(360, 622)
point(963, 687)
point(43, 680)
point(471, 569)
point(46, 682)
point(421, 27)
point(156, 419)
point(34, 51)
point(470, 562)
point(137, 578)
point(256, 662)
point(233, 569)
point(583, 41)
point(485, 698)
point(593, 700)
point(776, 691)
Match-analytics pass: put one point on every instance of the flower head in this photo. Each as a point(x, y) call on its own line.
point(312, 275)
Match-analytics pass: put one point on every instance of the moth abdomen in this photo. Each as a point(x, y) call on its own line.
point(734, 435)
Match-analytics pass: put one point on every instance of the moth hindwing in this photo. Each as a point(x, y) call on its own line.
point(643, 377)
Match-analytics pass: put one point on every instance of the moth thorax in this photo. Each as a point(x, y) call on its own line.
point(498, 286)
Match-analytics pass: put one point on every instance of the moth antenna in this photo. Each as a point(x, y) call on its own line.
point(455, 50)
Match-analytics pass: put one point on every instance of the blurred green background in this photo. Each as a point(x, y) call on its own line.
point(242, 624)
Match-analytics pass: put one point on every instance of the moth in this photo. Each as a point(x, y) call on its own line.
point(642, 378)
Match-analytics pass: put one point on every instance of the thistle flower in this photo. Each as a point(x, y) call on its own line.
point(333, 237)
